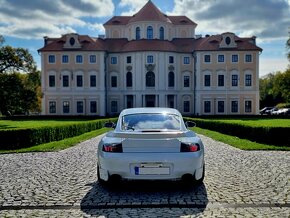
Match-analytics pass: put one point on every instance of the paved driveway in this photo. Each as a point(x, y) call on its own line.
point(64, 184)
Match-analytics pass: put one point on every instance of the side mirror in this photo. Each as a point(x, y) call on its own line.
point(110, 125)
point(190, 124)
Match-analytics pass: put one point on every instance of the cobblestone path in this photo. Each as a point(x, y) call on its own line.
point(64, 184)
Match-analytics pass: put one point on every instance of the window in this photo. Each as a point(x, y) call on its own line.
point(113, 60)
point(170, 79)
point(235, 58)
point(248, 58)
point(186, 60)
point(93, 107)
point(80, 107)
point(130, 101)
point(171, 59)
point(93, 81)
point(79, 59)
point(207, 80)
point(93, 59)
point(51, 79)
point(149, 32)
point(248, 79)
point(234, 107)
point(186, 106)
point(235, 80)
point(114, 106)
point(65, 107)
point(221, 106)
point(79, 81)
point(138, 35)
point(170, 101)
point(129, 59)
point(150, 79)
point(161, 33)
point(72, 41)
point(51, 59)
point(228, 40)
point(114, 81)
point(221, 58)
point(248, 106)
point(221, 80)
point(186, 81)
point(207, 106)
point(207, 58)
point(129, 80)
point(65, 81)
point(52, 107)
point(150, 59)
point(65, 59)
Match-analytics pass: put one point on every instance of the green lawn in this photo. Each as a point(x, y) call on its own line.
point(259, 122)
point(12, 124)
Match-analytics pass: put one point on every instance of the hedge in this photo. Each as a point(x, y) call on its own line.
point(21, 138)
point(266, 135)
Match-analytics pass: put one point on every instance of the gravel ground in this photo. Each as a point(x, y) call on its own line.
point(64, 184)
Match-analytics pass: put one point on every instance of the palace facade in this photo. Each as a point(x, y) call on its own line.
point(150, 60)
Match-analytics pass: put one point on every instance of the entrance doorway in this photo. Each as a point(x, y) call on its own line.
point(150, 100)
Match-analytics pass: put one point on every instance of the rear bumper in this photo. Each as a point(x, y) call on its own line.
point(125, 164)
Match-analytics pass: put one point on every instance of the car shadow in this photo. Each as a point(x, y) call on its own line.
point(141, 197)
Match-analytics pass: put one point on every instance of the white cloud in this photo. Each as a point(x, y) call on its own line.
point(271, 65)
point(35, 19)
point(267, 19)
point(133, 5)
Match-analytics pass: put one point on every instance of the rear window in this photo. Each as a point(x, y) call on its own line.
point(151, 122)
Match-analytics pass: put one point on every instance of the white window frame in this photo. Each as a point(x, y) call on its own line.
point(76, 59)
point(217, 59)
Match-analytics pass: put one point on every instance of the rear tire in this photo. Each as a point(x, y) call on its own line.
point(200, 181)
point(101, 181)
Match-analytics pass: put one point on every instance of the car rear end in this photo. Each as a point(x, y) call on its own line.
point(152, 156)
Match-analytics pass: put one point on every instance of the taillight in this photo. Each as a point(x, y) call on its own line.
point(113, 148)
point(189, 147)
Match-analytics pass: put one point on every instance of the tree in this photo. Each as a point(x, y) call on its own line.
point(18, 59)
point(275, 88)
point(19, 93)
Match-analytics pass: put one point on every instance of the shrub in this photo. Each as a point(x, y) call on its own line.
point(260, 134)
point(21, 138)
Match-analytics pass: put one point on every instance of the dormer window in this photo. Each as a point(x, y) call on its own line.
point(138, 36)
point(161, 33)
point(149, 32)
point(228, 40)
point(72, 41)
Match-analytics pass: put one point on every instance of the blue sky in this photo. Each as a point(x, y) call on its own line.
point(269, 20)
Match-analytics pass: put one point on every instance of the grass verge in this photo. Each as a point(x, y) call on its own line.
point(234, 141)
point(59, 145)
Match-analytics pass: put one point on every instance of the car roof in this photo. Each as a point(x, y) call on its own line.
point(150, 110)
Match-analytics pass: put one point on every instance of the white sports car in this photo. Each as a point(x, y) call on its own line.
point(150, 144)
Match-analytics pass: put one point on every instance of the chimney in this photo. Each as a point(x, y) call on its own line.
point(45, 40)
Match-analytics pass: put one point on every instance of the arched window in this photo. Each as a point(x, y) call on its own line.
point(138, 33)
point(161, 33)
point(170, 79)
point(129, 79)
point(150, 79)
point(149, 32)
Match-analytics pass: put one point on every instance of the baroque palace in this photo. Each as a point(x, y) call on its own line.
point(150, 60)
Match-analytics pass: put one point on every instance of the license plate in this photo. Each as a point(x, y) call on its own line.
point(151, 171)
